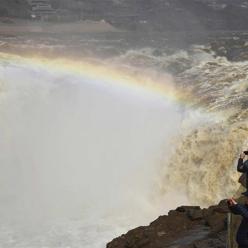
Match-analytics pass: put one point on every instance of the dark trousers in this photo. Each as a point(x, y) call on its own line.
point(246, 185)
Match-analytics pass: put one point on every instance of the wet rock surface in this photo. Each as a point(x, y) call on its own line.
point(184, 227)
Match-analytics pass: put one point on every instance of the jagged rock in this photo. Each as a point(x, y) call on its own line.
point(195, 214)
point(217, 221)
point(211, 242)
point(187, 208)
point(185, 227)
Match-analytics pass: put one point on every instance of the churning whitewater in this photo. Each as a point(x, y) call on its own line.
point(84, 160)
point(79, 160)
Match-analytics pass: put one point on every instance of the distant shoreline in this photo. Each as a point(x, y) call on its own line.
point(15, 26)
point(19, 26)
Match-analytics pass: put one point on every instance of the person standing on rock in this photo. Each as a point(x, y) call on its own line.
point(241, 209)
point(243, 168)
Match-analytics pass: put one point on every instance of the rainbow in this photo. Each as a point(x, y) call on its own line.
point(162, 87)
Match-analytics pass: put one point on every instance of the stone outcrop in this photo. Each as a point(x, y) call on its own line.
point(184, 227)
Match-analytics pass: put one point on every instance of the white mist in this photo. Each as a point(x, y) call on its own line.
point(78, 159)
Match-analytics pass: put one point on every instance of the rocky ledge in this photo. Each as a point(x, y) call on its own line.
point(185, 227)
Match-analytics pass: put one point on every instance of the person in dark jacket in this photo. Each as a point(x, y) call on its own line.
point(243, 166)
point(240, 209)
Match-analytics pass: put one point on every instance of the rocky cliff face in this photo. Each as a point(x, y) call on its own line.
point(185, 227)
point(14, 8)
point(188, 15)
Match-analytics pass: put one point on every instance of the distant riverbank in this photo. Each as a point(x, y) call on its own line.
point(17, 26)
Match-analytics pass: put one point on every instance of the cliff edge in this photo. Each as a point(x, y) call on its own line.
point(185, 227)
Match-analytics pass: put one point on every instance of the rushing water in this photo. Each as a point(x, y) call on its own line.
point(83, 162)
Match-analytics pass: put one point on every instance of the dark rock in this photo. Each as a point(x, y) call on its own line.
point(217, 221)
point(187, 208)
point(195, 214)
point(209, 243)
point(185, 227)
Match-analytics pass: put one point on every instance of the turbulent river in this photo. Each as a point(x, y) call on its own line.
point(85, 156)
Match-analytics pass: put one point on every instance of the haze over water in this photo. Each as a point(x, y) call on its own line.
point(83, 162)
point(79, 159)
